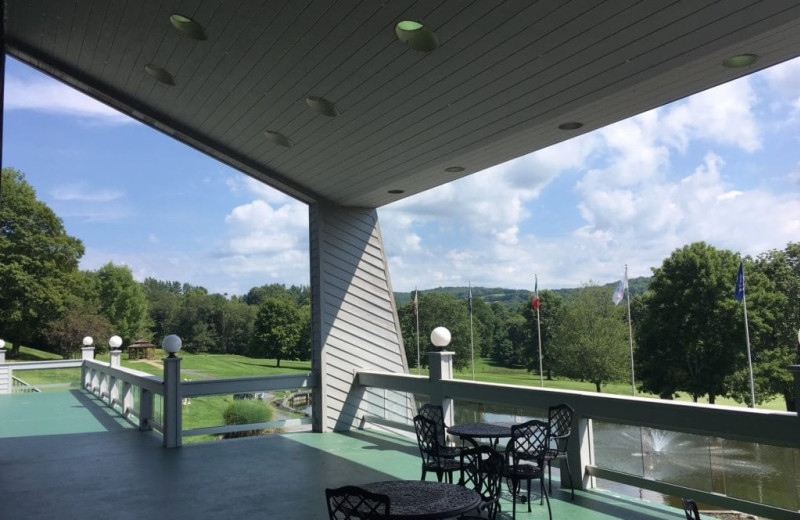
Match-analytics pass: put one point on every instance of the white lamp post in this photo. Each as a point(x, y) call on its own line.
point(172, 344)
point(114, 342)
point(440, 337)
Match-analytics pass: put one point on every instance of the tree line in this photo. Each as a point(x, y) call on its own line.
point(48, 303)
point(688, 330)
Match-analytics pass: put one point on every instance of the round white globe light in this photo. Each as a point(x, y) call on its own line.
point(440, 337)
point(2, 343)
point(172, 344)
point(114, 342)
point(88, 341)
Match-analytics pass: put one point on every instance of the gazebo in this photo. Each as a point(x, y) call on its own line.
point(141, 349)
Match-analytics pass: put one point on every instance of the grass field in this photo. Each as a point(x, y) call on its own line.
point(208, 366)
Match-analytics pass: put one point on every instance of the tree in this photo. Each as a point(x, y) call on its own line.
point(163, 302)
point(81, 318)
point(550, 315)
point(37, 259)
point(591, 343)
point(122, 301)
point(277, 330)
point(782, 268)
point(691, 337)
point(436, 310)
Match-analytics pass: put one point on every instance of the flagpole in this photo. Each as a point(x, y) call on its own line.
point(416, 314)
point(539, 330)
point(471, 341)
point(630, 331)
point(747, 337)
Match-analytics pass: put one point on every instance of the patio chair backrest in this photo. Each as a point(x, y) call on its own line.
point(690, 509)
point(482, 470)
point(353, 502)
point(529, 441)
point(435, 413)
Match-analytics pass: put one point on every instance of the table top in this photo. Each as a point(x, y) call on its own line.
point(481, 430)
point(420, 499)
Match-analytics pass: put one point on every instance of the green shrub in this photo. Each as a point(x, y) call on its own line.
point(246, 411)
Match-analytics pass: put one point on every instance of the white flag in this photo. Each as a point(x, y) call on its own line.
point(619, 292)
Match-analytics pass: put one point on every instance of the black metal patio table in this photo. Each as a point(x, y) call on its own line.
point(471, 431)
point(420, 499)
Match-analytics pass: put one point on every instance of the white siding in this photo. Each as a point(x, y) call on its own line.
point(354, 317)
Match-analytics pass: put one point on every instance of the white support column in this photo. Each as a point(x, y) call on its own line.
point(440, 364)
point(354, 321)
point(113, 383)
point(172, 419)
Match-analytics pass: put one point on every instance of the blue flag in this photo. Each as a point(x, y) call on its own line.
point(738, 291)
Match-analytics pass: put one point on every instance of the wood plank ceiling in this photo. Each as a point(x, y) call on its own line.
point(505, 76)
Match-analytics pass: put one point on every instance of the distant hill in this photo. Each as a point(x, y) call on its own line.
point(513, 297)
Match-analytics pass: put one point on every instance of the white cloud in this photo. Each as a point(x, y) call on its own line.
point(47, 95)
point(80, 193)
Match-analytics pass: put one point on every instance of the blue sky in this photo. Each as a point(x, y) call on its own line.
point(722, 166)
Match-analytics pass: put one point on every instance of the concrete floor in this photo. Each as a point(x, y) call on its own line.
point(64, 456)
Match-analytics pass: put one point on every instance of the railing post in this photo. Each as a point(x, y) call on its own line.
point(145, 410)
point(440, 365)
point(581, 454)
point(795, 370)
point(172, 420)
point(86, 374)
point(5, 374)
point(113, 385)
point(127, 398)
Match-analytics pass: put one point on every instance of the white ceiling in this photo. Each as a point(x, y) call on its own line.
point(505, 75)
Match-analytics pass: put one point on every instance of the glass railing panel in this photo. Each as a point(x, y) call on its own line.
point(749, 471)
point(471, 412)
point(757, 472)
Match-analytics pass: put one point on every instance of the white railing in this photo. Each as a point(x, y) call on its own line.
point(155, 402)
point(763, 427)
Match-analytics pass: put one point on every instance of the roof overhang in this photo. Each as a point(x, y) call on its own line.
point(504, 77)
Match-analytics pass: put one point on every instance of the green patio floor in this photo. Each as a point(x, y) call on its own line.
point(64, 455)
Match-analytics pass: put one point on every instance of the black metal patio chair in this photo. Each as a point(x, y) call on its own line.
point(525, 461)
point(436, 414)
point(690, 509)
point(431, 451)
point(482, 471)
point(559, 420)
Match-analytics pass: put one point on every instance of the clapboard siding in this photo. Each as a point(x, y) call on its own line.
point(354, 317)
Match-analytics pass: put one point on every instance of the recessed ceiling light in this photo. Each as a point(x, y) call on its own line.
point(159, 73)
point(278, 138)
point(740, 60)
point(416, 36)
point(454, 169)
point(188, 26)
point(572, 125)
point(322, 106)
point(396, 192)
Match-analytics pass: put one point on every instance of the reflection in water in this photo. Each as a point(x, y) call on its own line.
point(759, 473)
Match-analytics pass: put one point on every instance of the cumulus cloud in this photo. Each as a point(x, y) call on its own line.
point(44, 94)
point(639, 189)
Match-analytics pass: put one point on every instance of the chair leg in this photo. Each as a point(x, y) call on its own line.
point(529, 495)
point(547, 498)
point(550, 474)
point(424, 472)
point(569, 474)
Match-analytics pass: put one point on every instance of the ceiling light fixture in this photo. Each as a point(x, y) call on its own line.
point(454, 169)
point(159, 74)
point(188, 27)
point(322, 106)
point(396, 192)
point(416, 36)
point(278, 138)
point(572, 125)
point(740, 60)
